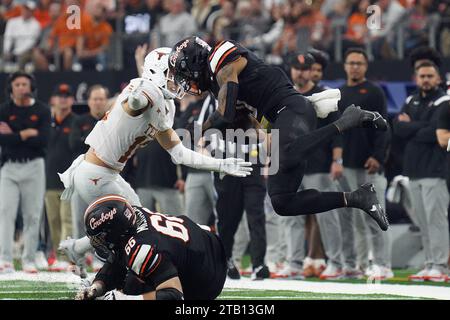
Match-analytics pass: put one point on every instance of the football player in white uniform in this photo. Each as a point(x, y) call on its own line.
point(143, 111)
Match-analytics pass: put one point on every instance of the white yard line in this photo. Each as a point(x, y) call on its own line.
point(417, 291)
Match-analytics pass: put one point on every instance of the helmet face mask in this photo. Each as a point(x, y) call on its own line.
point(109, 221)
point(188, 62)
point(156, 69)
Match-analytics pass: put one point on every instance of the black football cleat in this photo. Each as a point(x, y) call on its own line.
point(355, 117)
point(233, 272)
point(260, 273)
point(365, 198)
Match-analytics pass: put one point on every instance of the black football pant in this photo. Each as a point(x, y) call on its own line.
point(234, 196)
point(297, 138)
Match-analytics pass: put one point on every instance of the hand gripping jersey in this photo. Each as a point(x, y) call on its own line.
point(261, 87)
point(117, 136)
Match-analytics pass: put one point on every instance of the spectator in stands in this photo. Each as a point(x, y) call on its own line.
point(8, 10)
point(263, 42)
point(42, 14)
point(222, 24)
point(364, 156)
point(97, 100)
point(314, 24)
point(21, 35)
point(417, 23)
point(286, 45)
point(424, 164)
point(64, 35)
point(24, 132)
point(202, 10)
point(176, 25)
point(59, 158)
point(42, 53)
point(382, 38)
point(444, 34)
point(252, 19)
point(357, 30)
point(94, 42)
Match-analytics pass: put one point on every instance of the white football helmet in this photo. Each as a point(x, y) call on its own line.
point(156, 69)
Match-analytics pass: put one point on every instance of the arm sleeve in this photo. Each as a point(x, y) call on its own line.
point(182, 155)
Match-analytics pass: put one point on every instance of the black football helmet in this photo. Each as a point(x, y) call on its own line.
point(188, 63)
point(108, 221)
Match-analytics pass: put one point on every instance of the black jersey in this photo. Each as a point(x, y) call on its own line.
point(166, 246)
point(262, 87)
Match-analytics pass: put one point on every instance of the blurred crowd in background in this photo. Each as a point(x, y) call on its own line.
point(103, 34)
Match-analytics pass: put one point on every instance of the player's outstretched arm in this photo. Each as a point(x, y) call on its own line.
point(95, 290)
point(227, 78)
point(168, 290)
point(170, 141)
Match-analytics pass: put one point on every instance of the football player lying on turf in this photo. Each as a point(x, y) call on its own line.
point(143, 111)
point(151, 256)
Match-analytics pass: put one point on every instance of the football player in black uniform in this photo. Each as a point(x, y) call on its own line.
point(234, 74)
point(151, 256)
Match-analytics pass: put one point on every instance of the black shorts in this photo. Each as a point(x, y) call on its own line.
point(206, 281)
point(296, 119)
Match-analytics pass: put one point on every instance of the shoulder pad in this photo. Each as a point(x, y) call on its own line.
point(143, 260)
point(220, 53)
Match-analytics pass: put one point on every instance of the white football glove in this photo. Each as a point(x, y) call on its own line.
point(91, 292)
point(325, 102)
point(112, 295)
point(235, 167)
point(448, 145)
point(118, 295)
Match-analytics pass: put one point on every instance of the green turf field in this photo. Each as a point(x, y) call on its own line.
point(46, 290)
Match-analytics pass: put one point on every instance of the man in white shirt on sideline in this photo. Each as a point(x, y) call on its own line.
point(21, 35)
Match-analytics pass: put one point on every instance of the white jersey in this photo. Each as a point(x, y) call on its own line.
point(116, 137)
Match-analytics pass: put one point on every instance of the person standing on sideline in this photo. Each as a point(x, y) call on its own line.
point(24, 133)
point(363, 157)
point(59, 158)
point(424, 164)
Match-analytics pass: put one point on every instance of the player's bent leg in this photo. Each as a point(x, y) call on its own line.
point(287, 201)
point(365, 198)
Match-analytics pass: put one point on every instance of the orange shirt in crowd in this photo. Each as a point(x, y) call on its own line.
point(42, 16)
point(13, 12)
point(356, 27)
point(64, 36)
point(96, 34)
